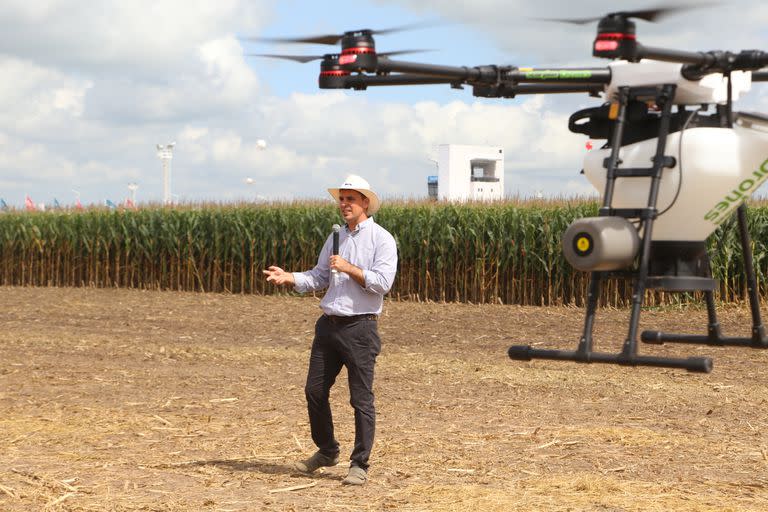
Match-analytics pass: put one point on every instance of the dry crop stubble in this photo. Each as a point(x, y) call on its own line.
point(131, 400)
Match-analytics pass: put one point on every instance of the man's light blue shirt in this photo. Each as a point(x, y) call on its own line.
point(369, 247)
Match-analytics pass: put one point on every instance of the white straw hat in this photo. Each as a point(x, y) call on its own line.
point(354, 182)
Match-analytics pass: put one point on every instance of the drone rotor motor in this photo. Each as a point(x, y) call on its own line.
point(358, 52)
point(332, 74)
point(601, 243)
point(616, 39)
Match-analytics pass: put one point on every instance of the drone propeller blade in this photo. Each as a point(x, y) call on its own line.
point(654, 14)
point(329, 39)
point(411, 26)
point(402, 52)
point(333, 39)
point(297, 58)
point(642, 14)
point(648, 15)
point(574, 21)
point(309, 58)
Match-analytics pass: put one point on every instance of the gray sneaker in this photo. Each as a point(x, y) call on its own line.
point(318, 460)
point(356, 476)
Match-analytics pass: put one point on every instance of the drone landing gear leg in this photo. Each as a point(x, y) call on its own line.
point(714, 335)
point(584, 352)
point(628, 356)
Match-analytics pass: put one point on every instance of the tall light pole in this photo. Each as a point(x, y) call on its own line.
point(132, 187)
point(78, 204)
point(165, 153)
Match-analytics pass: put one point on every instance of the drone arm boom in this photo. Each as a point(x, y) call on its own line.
point(510, 90)
point(663, 54)
point(486, 90)
point(556, 88)
point(572, 76)
point(462, 73)
point(496, 74)
point(363, 81)
point(750, 60)
point(702, 63)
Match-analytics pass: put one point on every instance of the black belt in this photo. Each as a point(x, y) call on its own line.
point(350, 319)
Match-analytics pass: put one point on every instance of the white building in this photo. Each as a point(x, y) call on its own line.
point(470, 173)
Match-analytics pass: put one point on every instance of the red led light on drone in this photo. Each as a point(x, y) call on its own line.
point(615, 35)
point(609, 41)
point(349, 55)
point(606, 46)
point(358, 50)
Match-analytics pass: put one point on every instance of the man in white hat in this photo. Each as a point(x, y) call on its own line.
point(346, 334)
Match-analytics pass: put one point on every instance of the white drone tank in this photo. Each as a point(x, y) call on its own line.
point(711, 88)
point(716, 170)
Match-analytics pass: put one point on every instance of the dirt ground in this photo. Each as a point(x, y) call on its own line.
point(130, 400)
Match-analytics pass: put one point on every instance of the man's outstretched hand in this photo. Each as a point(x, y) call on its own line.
point(278, 276)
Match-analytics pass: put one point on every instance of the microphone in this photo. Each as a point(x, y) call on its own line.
point(336, 229)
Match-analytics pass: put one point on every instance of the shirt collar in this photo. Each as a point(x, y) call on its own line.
point(367, 222)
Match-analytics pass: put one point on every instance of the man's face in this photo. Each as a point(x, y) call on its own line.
point(352, 205)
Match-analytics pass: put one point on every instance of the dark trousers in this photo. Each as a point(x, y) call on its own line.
point(353, 343)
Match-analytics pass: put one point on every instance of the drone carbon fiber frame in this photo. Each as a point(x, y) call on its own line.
point(558, 80)
point(359, 67)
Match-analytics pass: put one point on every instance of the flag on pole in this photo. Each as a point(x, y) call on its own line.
point(109, 204)
point(29, 204)
point(3, 205)
point(129, 204)
point(78, 205)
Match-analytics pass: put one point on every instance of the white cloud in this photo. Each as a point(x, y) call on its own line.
point(31, 162)
point(220, 85)
point(227, 147)
point(234, 82)
point(110, 36)
point(193, 139)
point(34, 99)
point(34, 163)
point(389, 142)
point(521, 31)
point(88, 89)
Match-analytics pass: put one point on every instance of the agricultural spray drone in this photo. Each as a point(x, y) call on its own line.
point(671, 170)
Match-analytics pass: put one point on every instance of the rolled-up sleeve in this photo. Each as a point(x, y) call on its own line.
point(319, 277)
point(380, 277)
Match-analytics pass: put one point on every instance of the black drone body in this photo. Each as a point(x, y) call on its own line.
point(652, 225)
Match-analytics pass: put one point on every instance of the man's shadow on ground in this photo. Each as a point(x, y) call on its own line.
point(255, 464)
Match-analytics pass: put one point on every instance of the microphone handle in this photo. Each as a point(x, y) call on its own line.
point(335, 248)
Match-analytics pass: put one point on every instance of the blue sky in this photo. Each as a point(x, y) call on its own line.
point(86, 93)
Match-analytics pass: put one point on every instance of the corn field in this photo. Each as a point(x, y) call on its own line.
point(502, 252)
